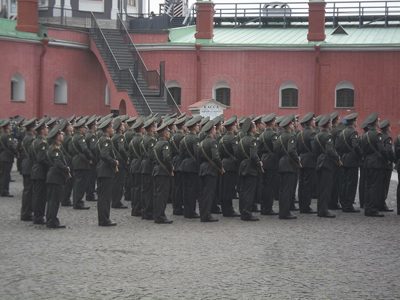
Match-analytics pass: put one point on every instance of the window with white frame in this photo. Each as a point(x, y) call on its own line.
point(222, 93)
point(17, 87)
point(344, 95)
point(288, 95)
point(60, 90)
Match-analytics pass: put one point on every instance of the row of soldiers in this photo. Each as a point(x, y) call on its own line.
point(192, 158)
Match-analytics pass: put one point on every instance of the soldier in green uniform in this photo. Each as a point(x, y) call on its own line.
point(39, 172)
point(26, 169)
point(308, 173)
point(323, 149)
point(289, 162)
point(249, 169)
point(188, 149)
point(67, 128)
point(128, 135)
point(363, 179)
point(8, 152)
point(337, 171)
point(106, 168)
point(82, 158)
point(56, 176)
point(376, 161)
point(270, 164)
point(146, 168)
point(386, 129)
point(316, 127)
point(177, 199)
point(91, 142)
point(118, 144)
point(162, 173)
point(296, 125)
point(135, 161)
point(397, 153)
point(351, 157)
point(209, 170)
point(228, 151)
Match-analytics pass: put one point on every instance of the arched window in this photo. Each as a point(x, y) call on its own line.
point(222, 93)
point(17, 87)
point(344, 95)
point(60, 90)
point(288, 95)
point(175, 90)
point(107, 101)
point(122, 107)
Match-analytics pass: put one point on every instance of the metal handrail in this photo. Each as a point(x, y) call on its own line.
point(117, 68)
point(142, 96)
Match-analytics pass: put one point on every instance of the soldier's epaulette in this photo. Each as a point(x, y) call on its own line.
point(330, 133)
point(44, 141)
point(107, 137)
point(57, 147)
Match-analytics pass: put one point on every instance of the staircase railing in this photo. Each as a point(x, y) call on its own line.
point(140, 100)
point(151, 77)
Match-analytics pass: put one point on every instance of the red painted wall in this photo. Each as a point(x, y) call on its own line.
point(256, 76)
point(81, 70)
point(67, 35)
point(149, 38)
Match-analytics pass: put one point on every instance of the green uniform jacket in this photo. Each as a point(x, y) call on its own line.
point(91, 142)
point(26, 166)
point(65, 144)
point(351, 156)
point(118, 141)
point(134, 154)
point(248, 154)
point(267, 149)
point(58, 170)
point(228, 151)
point(288, 162)
point(80, 152)
point(8, 149)
point(388, 144)
point(373, 159)
point(174, 142)
point(210, 147)
point(108, 161)
point(146, 149)
point(38, 157)
point(191, 148)
point(304, 148)
point(324, 150)
point(163, 151)
point(397, 151)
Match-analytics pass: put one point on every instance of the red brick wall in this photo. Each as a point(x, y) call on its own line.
point(256, 76)
point(66, 35)
point(81, 70)
point(148, 38)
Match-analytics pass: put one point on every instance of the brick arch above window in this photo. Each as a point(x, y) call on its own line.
point(288, 95)
point(344, 95)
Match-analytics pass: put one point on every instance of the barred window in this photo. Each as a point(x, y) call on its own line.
point(223, 95)
point(17, 87)
point(132, 2)
point(288, 95)
point(344, 95)
point(176, 94)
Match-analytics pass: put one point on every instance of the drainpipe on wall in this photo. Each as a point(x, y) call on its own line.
point(198, 97)
point(317, 69)
point(41, 78)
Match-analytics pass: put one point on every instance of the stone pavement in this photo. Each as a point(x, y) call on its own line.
point(350, 257)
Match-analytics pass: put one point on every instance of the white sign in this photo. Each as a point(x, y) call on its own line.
point(211, 110)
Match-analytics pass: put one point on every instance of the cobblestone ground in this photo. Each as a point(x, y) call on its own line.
point(350, 257)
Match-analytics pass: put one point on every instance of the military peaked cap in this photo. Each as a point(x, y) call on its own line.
point(279, 120)
point(139, 123)
point(71, 118)
point(317, 119)
point(287, 121)
point(30, 122)
point(204, 121)
point(384, 123)
point(364, 124)
point(334, 115)
point(149, 122)
point(182, 115)
point(54, 132)
point(258, 119)
point(324, 120)
point(41, 124)
point(80, 123)
point(268, 118)
point(193, 121)
point(91, 121)
point(246, 125)
point(105, 123)
point(231, 121)
point(163, 127)
point(351, 116)
point(117, 123)
point(208, 126)
point(372, 118)
point(307, 117)
point(6, 122)
point(64, 123)
point(180, 121)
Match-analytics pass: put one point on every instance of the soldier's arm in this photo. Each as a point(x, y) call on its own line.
point(389, 149)
point(292, 149)
point(315, 147)
point(356, 145)
point(397, 147)
point(11, 146)
point(58, 160)
point(167, 157)
point(214, 155)
point(330, 149)
point(254, 153)
point(381, 147)
point(235, 146)
point(105, 153)
point(41, 154)
point(121, 148)
point(84, 148)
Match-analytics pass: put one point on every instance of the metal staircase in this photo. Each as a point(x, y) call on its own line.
point(145, 88)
